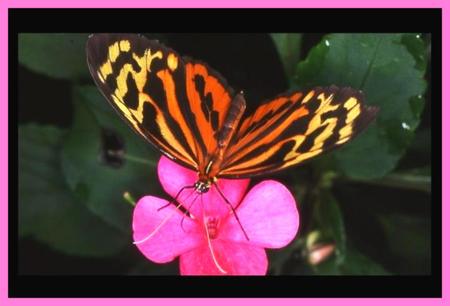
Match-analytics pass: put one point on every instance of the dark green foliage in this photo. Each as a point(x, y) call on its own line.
point(48, 211)
point(385, 69)
point(55, 55)
point(86, 168)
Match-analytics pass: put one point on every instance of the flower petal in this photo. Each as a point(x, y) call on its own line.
point(171, 239)
point(268, 214)
point(214, 204)
point(174, 177)
point(234, 258)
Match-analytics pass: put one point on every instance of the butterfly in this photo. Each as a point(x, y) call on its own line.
point(187, 110)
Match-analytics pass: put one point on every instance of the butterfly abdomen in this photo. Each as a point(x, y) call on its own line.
point(231, 120)
point(224, 136)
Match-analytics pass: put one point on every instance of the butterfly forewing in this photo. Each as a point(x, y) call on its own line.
point(176, 103)
point(293, 128)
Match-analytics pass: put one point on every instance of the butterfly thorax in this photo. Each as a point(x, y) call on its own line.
point(208, 175)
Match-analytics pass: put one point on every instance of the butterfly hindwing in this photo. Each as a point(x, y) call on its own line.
point(293, 128)
point(176, 103)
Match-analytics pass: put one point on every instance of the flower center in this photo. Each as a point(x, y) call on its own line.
point(212, 226)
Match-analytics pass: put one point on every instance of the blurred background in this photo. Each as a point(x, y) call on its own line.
point(365, 208)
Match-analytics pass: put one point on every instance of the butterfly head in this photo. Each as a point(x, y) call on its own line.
point(202, 186)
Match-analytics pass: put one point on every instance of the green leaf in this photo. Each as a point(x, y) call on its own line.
point(409, 242)
point(359, 264)
point(329, 216)
point(61, 56)
point(414, 179)
point(101, 184)
point(355, 263)
point(48, 211)
point(388, 74)
point(416, 46)
point(288, 46)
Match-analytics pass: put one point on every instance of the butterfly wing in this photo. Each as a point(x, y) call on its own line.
point(176, 103)
point(293, 128)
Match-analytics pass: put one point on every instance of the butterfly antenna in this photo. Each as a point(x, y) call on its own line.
point(160, 225)
point(176, 196)
point(167, 218)
point(188, 211)
point(232, 209)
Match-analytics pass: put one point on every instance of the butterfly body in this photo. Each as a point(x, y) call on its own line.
point(187, 110)
point(209, 174)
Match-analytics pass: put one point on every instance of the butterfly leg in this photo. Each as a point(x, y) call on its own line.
point(232, 209)
point(176, 197)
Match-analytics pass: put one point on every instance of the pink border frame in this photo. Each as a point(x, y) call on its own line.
point(5, 4)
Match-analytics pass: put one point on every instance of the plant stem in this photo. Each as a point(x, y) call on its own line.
point(132, 158)
point(129, 198)
point(399, 180)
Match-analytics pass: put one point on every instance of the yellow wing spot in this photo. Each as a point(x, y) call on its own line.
point(324, 98)
point(117, 101)
point(172, 61)
point(313, 124)
point(125, 45)
point(343, 140)
point(114, 52)
point(308, 96)
point(150, 57)
point(350, 103)
point(105, 70)
point(327, 132)
point(325, 105)
point(303, 156)
point(139, 112)
point(353, 114)
point(126, 112)
point(293, 153)
point(122, 87)
point(99, 74)
point(345, 131)
point(140, 77)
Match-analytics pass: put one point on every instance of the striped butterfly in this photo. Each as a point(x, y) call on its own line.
point(187, 110)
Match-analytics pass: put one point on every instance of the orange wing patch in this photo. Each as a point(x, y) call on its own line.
point(209, 101)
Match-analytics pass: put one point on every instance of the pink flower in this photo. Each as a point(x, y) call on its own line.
point(209, 240)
